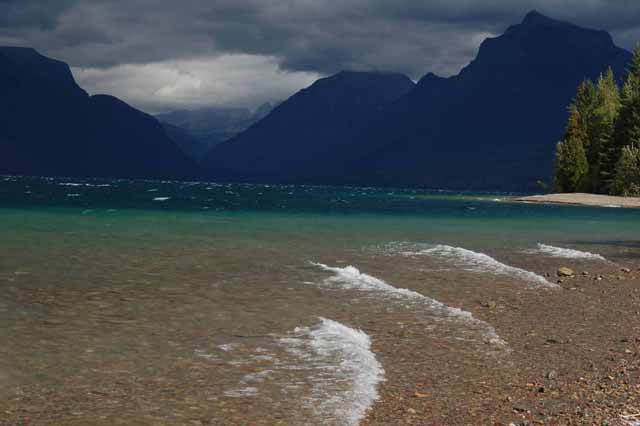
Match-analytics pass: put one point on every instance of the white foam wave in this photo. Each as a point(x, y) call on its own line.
point(338, 354)
point(565, 252)
point(161, 198)
point(227, 347)
point(241, 392)
point(259, 376)
point(480, 262)
point(209, 357)
point(89, 185)
point(351, 278)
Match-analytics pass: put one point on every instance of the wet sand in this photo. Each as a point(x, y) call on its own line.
point(574, 360)
point(582, 199)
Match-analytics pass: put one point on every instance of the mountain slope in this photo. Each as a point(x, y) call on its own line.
point(492, 126)
point(50, 126)
point(313, 133)
point(197, 131)
point(496, 123)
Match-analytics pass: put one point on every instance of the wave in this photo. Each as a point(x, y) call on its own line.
point(246, 392)
point(334, 353)
point(565, 252)
point(89, 185)
point(351, 278)
point(471, 261)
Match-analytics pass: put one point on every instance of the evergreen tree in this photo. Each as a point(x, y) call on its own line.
point(571, 163)
point(627, 127)
point(560, 181)
point(633, 71)
point(603, 152)
point(586, 103)
point(600, 150)
point(627, 181)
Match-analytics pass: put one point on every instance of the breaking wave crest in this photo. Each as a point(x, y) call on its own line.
point(472, 261)
point(564, 252)
point(338, 354)
point(351, 278)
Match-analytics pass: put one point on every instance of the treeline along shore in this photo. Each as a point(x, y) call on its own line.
point(600, 150)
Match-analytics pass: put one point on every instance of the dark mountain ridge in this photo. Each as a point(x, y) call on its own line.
point(50, 126)
point(313, 133)
point(492, 126)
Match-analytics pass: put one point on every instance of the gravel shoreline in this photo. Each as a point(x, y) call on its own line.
point(574, 360)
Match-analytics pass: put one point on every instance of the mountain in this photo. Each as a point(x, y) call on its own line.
point(496, 123)
point(310, 135)
point(197, 131)
point(492, 126)
point(50, 126)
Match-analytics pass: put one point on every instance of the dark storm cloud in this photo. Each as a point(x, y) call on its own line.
point(413, 36)
point(32, 15)
point(316, 36)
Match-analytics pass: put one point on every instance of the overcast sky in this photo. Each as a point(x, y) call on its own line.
point(173, 54)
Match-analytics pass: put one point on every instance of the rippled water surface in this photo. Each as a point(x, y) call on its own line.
point(188, 301)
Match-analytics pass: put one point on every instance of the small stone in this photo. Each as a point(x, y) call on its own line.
point(565, 272)
point(625, 270)
point(552, 375)
point(585, 274)
point(490, 304)
point(411, 410)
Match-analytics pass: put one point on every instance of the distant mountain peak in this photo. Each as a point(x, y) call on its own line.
point(535, 20)
point(535, 17)
point(360, 76)
point(25, 56)
point(343, 84)
point(14, 49)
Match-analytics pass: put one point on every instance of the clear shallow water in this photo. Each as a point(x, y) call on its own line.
point(200, 298)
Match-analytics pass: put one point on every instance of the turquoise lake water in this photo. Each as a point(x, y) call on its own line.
point(235, 293)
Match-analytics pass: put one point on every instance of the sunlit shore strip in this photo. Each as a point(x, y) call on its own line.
point(580, 199)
